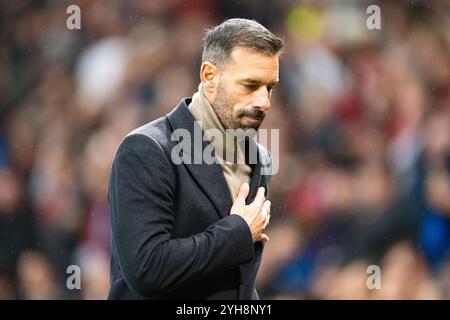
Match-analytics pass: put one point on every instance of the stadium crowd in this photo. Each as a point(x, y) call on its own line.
point(364, 150)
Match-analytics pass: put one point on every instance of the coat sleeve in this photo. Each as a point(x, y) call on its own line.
point(141, 193)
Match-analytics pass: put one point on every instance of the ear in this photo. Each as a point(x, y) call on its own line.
point(208, 76)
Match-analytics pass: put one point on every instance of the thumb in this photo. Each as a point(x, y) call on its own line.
point(265, 210)
point(239, 202)
point(265, 238)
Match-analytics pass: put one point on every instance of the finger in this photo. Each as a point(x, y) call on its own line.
point(265, 210)
point(259, 199)
point(267, 221)
point(243, 192)
point(264, 238)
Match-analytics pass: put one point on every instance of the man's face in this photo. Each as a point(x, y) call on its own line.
point(243, 90)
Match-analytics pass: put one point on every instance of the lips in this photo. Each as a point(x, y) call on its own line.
point(255, 116)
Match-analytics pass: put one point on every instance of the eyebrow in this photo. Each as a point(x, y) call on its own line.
point(257, 82)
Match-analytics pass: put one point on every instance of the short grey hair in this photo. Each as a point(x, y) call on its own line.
point(222, 39)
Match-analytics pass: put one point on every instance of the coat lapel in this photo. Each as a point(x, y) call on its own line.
point(255, 179)
point(209, 176)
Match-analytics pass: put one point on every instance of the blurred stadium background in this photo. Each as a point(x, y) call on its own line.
point(364, 119)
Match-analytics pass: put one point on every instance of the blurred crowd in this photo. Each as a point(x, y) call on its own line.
point(364, 154)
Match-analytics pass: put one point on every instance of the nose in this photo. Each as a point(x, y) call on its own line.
point(262, 99)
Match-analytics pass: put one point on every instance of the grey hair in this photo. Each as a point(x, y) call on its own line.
point(222, 39)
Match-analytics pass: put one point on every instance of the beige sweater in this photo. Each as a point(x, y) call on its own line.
point(235, 172)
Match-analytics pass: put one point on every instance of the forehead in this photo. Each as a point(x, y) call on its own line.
point(247, 63)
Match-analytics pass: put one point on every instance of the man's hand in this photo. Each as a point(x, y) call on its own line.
point(256, 214)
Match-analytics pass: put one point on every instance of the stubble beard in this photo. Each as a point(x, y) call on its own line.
point(229, 119)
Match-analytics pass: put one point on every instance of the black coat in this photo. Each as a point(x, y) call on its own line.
point(172, 235)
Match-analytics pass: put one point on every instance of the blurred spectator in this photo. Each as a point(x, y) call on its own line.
point(35, 277)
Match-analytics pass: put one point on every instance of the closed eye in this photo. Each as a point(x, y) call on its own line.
point(251, 87)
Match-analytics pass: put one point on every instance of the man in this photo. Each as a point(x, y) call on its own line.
point(188, 230)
